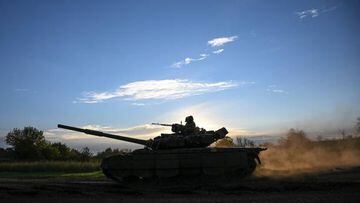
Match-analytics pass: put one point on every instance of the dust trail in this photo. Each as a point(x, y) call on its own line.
point(297, 154)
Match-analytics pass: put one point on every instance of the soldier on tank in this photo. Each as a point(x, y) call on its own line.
point(190, 126)
point(184, 130)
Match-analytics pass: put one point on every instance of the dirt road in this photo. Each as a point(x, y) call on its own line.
point(338, 185)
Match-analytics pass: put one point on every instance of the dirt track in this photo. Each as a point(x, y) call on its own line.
point(335, 186)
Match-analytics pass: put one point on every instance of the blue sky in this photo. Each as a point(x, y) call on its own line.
point(256, 67)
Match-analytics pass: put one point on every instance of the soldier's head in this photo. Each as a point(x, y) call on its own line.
point(189, 119)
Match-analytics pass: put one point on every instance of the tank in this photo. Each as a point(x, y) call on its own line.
point(185, 152)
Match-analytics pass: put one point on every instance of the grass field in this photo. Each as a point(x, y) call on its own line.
point(50, 166)
point(51, 169)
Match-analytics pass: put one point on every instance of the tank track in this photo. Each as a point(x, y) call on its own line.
point(193, 180)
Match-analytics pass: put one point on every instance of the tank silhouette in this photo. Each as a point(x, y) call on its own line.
point(183, 153)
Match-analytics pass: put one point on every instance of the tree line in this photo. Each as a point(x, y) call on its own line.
point(29, 143)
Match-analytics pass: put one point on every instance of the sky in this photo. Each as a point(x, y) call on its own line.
point(255, 67)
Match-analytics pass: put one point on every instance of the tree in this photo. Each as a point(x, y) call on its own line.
point(110, 152)
point(26, 143)
point(107, 152)
point(5, 154)
point(49, 152)
point(65, 153)
point(85, 154)
point(295, 138)
point(244, 142)
point(357, 126)
point(29, 144)
point(343, 134)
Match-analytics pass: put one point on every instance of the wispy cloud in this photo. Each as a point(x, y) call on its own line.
point(328, 9)
point(157, 89)
point(216, 42)
point(221, 41)
point(218, 51)
point(189, 60)
point(307, 13)
point(314, 12)
point(275, 89)
point(278, 91)
point(138, 104)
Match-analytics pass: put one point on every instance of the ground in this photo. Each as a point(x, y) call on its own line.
point(335, 185)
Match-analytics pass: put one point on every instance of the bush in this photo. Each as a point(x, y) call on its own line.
point(110, 152)
point(295, 138)
point(244, 142)
point(225, 142)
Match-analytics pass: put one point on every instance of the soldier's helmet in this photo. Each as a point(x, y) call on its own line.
point(189, 119)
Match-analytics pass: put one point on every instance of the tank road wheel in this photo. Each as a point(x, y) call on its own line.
point(253, 160)
point(245, 171)
point(108, 174)
point(130, 179)
point(122, 180)
point(251, 166)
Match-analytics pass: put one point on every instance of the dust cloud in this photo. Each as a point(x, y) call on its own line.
point(296, 153)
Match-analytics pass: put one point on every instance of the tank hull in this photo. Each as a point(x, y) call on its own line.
point(195, 162)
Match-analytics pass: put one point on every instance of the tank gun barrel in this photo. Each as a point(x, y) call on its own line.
point(147, 143)
point(162, 124)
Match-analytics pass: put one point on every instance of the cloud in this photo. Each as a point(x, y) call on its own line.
point(235, 132)
point(328, 9)
point(278, 91)
point(221, 41)
point(157, 89)
point(188, 60)
point(203, 56)
point(216, 42)
point(218, 51)
point(274, 89)
point(313, 12)
point(138, 104)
